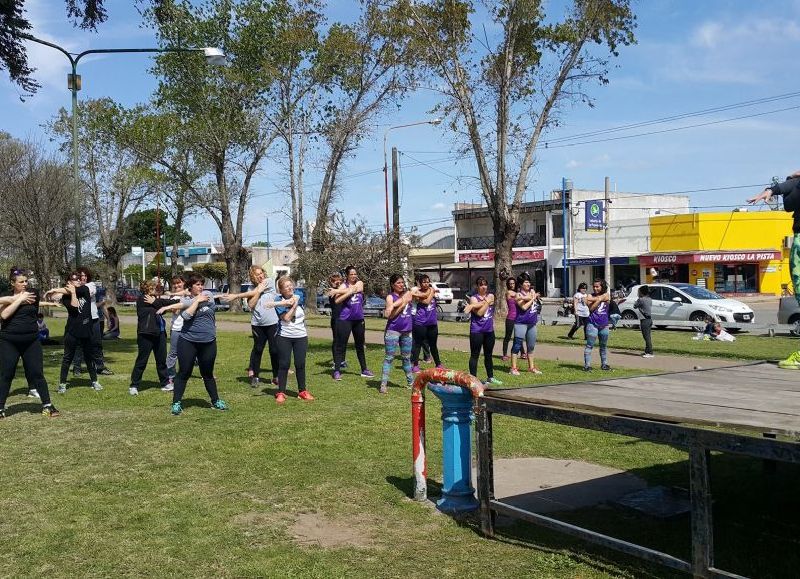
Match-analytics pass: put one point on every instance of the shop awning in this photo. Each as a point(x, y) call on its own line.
point(739, 256)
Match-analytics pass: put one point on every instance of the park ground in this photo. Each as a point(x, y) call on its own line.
point(118, 486)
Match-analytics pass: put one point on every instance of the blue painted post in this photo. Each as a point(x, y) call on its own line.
point(458, 494)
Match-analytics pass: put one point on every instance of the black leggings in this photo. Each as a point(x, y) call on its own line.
point(425, 335)
point(580, 322)
point(264, 336)
point(483, 340)
point(206, 354)
point(509, 337)
point(12, 348)
point(71, 344)
point(343, 330)
point(158, 346)
point(97, 348)
point(287, 346)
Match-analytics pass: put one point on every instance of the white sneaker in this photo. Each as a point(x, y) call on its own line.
point(33, 393)
point(96, 386)
point(62, 389)
point(648, 356)
point(132, 391)
point(168, 387)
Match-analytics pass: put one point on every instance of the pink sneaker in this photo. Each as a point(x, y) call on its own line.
point(280, 398)
point(514, 372)
point(305, 395)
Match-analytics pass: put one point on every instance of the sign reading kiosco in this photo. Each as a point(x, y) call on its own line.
point(716, 257)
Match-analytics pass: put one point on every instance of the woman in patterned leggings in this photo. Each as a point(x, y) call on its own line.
point(398, 330)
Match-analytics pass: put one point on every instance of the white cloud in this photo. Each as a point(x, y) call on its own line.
point(439, 206)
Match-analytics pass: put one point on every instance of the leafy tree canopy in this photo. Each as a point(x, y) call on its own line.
point(141, 230)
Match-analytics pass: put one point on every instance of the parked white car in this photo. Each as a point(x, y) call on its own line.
point(682, 302)
point(789, 313)
point(444, 294)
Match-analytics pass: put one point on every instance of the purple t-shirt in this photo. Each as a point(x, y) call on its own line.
point(512, 309)
point(426, 314)
point(402, 322)
point(353, 307)
point(599, 316)
point(482, 324)
point(529, 316)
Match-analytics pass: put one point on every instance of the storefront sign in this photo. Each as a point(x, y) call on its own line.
point(633, 260)
point(719, 257)
point(594, 214)
point(488, 255)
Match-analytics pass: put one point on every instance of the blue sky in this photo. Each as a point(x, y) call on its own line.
point(690, 56)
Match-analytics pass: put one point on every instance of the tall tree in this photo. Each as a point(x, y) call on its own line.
point(502, 90)
point(36, 196)
point(140, 228)
point(228, 114)
point(364, 67)
point(115, 181)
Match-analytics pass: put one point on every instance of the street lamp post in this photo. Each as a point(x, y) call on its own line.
point(213, 56)
point(386, 163)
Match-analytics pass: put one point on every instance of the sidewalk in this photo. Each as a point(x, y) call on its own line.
point(566, 354)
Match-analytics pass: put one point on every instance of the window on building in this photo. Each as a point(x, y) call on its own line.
point(558, 225)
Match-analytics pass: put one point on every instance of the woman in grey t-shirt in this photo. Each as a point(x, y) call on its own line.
point(197, 343)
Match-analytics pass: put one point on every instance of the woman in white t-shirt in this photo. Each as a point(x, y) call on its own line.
point(292, 339)
point(581, 311)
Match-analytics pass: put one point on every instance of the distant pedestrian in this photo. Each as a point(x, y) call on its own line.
point(581, 311)
point(644, 304)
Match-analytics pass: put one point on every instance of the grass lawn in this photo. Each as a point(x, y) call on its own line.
point(666, 341)
point(117, 486)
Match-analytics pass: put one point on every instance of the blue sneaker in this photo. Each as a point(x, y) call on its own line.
point(219, 404)
point(176, 408)
point(367, 374)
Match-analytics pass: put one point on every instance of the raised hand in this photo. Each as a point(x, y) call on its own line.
point(764, 196)
point(149, 299)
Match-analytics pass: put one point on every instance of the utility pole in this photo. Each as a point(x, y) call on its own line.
point(269, 247)
point(565, 271)
point(395, 197)
point(607, 263)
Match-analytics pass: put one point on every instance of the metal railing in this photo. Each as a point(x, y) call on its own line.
point(487, 241)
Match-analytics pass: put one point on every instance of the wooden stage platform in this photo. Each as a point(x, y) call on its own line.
point(751, 409)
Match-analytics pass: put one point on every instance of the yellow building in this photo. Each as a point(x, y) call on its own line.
point(736, 252)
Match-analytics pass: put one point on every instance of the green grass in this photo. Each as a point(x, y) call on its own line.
point(666, 341)
point(117, 486)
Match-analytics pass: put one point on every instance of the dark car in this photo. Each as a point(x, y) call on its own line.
point(128, 295)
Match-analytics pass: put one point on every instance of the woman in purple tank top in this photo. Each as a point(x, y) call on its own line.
point(528, 307)
point(481, 330)
point(511, 301)
point(351, 320)
point(597, 326)
point(398, 330)
point(425, 325)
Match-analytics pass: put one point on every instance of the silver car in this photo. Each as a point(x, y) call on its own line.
point(683, 302)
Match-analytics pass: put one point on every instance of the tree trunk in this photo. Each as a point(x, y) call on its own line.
point(505, 234)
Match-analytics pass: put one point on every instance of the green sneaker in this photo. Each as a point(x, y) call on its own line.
point(219, 404)
point(176, 408)
point(791, 363)
point(494, 381)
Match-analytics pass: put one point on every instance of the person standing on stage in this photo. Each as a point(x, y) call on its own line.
point(790, 190)
point(351, 320)
point(197, 343)
point(19, 338)
point(481, 330)
point(597, 326)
